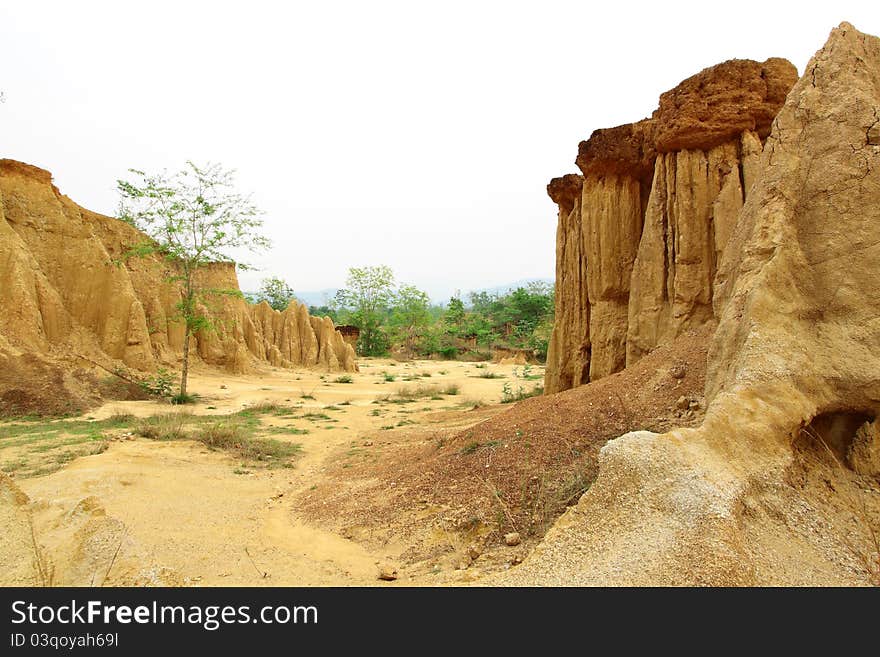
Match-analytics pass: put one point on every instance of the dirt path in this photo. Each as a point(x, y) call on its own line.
point(212, 520)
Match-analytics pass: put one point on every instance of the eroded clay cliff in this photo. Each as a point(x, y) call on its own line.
point(779, 484)
point(67, 290)
point(641, 233)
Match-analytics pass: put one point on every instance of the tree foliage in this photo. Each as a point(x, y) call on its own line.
point(193, 217)
point(403, 316)
point(274, 291)
point(367, 299)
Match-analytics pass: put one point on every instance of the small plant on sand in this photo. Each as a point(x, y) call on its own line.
point(120, 419)
point(266, 408)
point(490, 375)
point(160, 384)
point(407, 394)
point(166, 426)
point(345, 378)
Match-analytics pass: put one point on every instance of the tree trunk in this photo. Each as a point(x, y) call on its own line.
point(185, 373)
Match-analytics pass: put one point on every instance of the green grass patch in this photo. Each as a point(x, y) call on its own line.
point(314, 417)
point(287, 431)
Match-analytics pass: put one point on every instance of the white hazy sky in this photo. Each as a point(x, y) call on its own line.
point(418, 135)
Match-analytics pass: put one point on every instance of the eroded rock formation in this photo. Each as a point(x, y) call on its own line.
point(641, 233)
point(754, 496)
point(67, 289)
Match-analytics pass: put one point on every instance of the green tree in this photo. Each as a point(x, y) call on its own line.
point(193, 217)
point(325, 311)
point(410, 314)
point(453, 318)
point(276, 292)
point(523, 309)
point(367, 296)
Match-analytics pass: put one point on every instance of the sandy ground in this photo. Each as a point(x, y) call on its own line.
point(211, 520)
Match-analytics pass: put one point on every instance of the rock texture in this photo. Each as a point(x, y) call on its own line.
point(722, 102)
point(641, 233)
point(753, 495)
point(66, 289)
point(568, 355)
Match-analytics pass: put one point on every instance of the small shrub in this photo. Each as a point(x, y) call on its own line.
point(184, 398)
point(266, 408)
point(159, 385)
point(490, 375)
point(222, 435)
point(345, 378)
point(120, 419)
point(167, 426)
point(411, 393)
